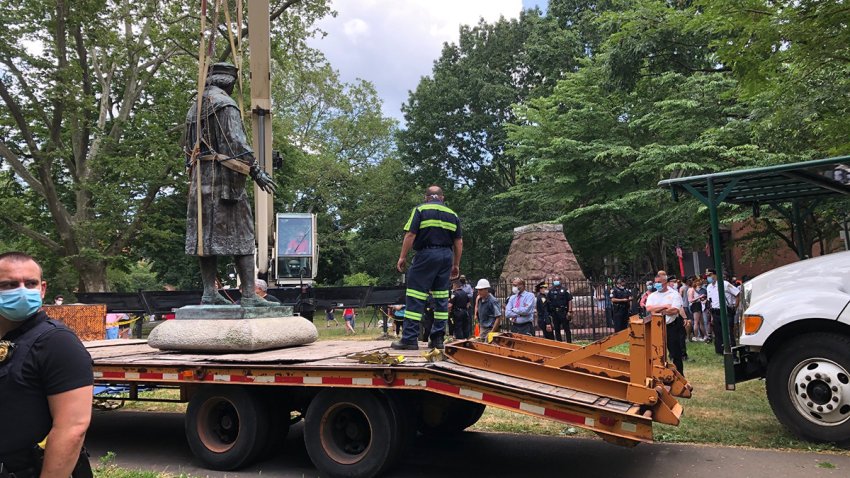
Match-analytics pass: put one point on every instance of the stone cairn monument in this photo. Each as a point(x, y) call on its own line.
point(538, 252)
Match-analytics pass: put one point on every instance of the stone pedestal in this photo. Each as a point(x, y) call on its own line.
point(231, 328)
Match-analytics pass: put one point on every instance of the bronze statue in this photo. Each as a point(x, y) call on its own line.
point(224, 159)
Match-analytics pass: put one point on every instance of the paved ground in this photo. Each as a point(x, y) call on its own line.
point(155, 441)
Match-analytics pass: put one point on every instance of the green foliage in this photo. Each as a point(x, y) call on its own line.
point(359, 278)
point(653, 103)
point(455, 135)
point(573, 116)
point(139, 276)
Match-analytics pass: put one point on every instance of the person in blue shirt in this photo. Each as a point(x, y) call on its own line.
point(398, 318)
point(433, 231)
point(487, 310)
point(520, 308)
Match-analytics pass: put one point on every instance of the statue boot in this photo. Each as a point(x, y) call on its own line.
point(209, 268)
point(245, 268)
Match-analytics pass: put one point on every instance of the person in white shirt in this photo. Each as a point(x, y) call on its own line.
point(667, 302)
point(714, 300)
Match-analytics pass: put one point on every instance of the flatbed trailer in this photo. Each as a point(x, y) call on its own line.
point(361, 405)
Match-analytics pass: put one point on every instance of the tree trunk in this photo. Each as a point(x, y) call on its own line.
point(92, 275)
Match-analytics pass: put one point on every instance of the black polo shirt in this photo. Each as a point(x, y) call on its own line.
point(434, 224)
point(56, 363)
point(559, 298)
point(619, 293)
point(459, 300)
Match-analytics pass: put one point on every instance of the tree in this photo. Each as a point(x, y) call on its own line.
point(455, 134)
point(653, 102)
point(96, 93)
point(455, 117)
point(642, 109)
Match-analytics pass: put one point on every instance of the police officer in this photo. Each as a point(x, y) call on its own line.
point(544, 322)
point(621, 298)
point(434, 232)
point(459, 304)
point(45, 380)
point(464, 283)
point(559, 309)
point(427, 322)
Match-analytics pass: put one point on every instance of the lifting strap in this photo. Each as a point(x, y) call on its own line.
point(205, 52)
point(230, 163)
point(202, 73)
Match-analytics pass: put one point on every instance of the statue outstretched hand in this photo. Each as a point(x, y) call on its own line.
point(263, 180)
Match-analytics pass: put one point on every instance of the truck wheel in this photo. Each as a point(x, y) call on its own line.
point(227, 427)
point(442, 415)
point(808, 386)
point(350, 433)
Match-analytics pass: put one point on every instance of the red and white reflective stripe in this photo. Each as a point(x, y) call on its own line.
point(430, 384)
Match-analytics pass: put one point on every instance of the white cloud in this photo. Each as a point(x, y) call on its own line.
point(354, 29)
point(393, 43)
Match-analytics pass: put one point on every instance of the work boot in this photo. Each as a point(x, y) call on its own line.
point(399, 345)
point(436, 343)
point(410, 332)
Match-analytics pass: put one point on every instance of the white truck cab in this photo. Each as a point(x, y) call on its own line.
point(795, 332)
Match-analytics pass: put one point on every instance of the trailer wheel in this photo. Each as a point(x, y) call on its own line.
point(227, 427)
point(404, 420)
point(441, 415)
point(808, 386)
point(350, 433)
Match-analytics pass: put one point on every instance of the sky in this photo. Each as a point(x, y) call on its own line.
point(393, 43)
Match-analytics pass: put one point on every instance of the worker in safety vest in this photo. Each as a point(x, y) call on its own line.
point(433, 231)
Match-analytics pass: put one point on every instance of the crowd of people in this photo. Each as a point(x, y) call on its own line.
point(691, 307)
point(476, 312)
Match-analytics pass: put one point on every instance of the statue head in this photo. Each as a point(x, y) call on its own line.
point(223, 75)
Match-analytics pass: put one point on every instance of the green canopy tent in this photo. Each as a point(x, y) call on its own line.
point(770, 186)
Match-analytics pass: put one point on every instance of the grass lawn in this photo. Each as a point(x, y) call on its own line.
point(712, 416)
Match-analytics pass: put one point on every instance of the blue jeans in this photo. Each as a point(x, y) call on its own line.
point(111, 333)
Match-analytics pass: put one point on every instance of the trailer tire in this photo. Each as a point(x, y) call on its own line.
point(350, 433)
point(405, 429)
point(227, 427)
point(442, 415)
point(808, 387)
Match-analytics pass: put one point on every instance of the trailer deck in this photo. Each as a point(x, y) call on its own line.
point(352, 401)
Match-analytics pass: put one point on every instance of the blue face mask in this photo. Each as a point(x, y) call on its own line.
point(556, 283)
point(658, 286)
point(711, 280)
point(19, 304)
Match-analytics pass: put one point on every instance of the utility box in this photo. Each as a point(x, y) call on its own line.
point(296, 253)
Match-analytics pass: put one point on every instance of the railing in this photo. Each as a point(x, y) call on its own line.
point(591, 307)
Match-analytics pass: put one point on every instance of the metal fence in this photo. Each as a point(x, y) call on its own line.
point(592, 316)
